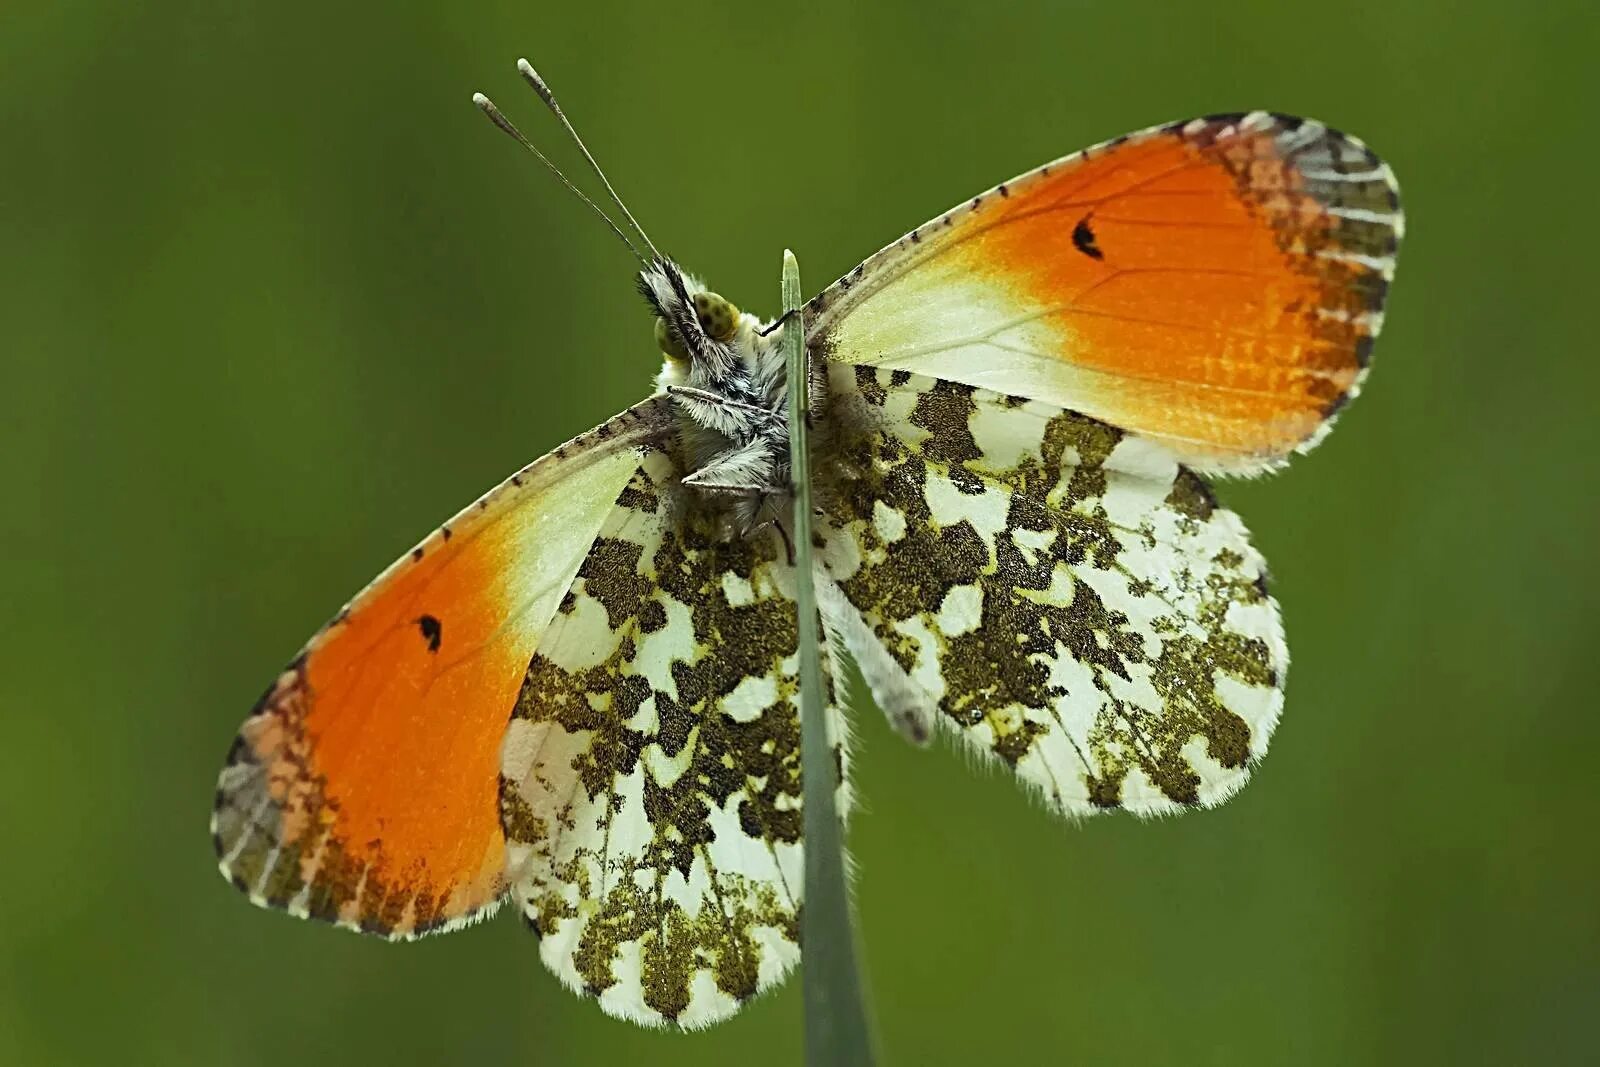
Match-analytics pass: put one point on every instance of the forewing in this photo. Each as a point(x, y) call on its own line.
point(651, 774)
point(1065, 597)
point(362, 790)
point(1214, 284)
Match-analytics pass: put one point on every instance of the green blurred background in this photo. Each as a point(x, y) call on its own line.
point(275, 300)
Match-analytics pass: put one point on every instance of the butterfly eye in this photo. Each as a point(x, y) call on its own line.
point(718, 317)
point(669, 342)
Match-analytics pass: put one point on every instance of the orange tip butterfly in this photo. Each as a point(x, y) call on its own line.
point(580, 694)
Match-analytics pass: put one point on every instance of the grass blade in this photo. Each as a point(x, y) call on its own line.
point(836, 1026)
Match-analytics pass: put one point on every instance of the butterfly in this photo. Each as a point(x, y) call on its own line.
point(580, 694)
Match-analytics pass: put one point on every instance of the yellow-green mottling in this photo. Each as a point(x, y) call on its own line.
point(1053, 570)
point(1079, 616)
point(664, 744)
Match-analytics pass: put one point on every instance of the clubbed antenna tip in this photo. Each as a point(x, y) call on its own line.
point(531, 76)
point(539, 85)
point(496, 116)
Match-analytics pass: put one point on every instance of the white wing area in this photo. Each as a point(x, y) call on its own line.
point(651, 774)
point(1067, 600)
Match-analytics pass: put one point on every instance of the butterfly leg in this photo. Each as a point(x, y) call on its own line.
point(724, 413)
point(779, 321)
point(775, 522)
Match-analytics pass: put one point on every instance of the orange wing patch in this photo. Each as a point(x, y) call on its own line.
point(1215, 284)
point(363, 790)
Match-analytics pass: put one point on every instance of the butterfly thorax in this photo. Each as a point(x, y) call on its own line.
point(725, 372)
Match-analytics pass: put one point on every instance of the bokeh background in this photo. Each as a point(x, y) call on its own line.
point(275, 300)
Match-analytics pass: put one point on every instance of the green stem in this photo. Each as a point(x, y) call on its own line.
point(836, 1027)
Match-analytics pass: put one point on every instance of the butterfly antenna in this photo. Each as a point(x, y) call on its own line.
point(498, 117)
point(531, 76)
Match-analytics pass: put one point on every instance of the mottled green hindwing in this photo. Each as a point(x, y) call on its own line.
point(650, 788)
point(1066, 598)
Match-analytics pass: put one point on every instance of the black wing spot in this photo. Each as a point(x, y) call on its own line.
point(1083, 240)
point(432, 631)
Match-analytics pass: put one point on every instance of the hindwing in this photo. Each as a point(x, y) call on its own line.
point(1067, 599)
point(650, 788)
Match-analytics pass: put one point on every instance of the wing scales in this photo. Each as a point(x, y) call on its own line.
point(1069, 599)
point(362, 789)
point(1215, 285)
point(651, 774)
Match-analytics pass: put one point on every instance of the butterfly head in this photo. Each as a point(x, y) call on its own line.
point(704, 338)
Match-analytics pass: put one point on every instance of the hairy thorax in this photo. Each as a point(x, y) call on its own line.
point(724, 369)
